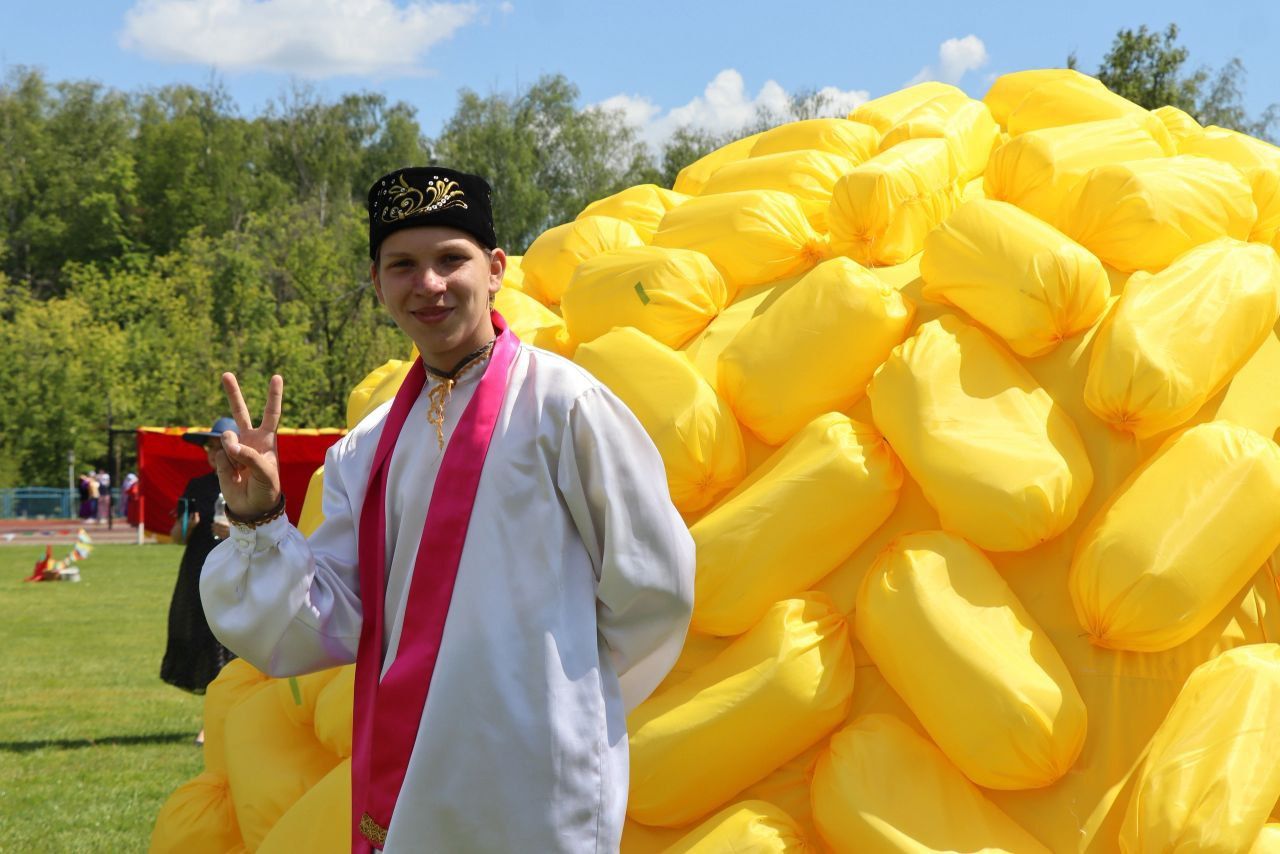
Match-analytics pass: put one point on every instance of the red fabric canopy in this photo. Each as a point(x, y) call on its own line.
point(166, 464)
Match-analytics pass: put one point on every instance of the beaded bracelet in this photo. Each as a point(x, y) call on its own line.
point(259, 520)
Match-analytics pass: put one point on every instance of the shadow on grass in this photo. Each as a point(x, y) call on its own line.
point(76, 743)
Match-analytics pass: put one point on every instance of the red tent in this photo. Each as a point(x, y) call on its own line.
point(166, 464)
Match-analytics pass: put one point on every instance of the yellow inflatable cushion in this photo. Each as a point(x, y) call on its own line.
point(809, 176)
point(1000, 461)
point(1174, 339)
point(1142, 214)
point(235, 682)
point(853, 140)
point(377, 388)
point(793, 520)
point(697, 744)
point(333, 712)
point(532, 322)
point(1008, 90)
point(881, 787)
point(1258, 161)
point(1016, 275)
point(1068, 99)
point(967, 128)
point(752, 236)
point(271, 763)
point(197, 818)
point(1147, 587)
point(312, 504)
point(1211, 777)
point(883, 209)
point(1038, 170)
point(513, 278)
point(813, 351)
point(670, 294)
point(693, 429)
point(1181, 126)
point(320, 820)
point(974, 667)
point(1268, 841)
point(886, 111)
point(297, 695)
point(643, 206)
point(550, 260)
point(751, 826)
point(691, 178)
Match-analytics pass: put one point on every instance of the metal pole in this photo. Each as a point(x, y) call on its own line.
point(71, 482)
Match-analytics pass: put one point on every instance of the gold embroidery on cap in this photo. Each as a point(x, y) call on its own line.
point(408, 201)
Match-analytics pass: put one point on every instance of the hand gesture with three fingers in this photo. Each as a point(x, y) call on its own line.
point(248, 469)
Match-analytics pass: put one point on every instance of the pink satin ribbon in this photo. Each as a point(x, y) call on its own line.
point(388, 712)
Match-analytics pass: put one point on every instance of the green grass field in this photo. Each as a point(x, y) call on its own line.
point(91, 741)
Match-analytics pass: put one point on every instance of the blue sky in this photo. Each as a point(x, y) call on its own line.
point(664, 63)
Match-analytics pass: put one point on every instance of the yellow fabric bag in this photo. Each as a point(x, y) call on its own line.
point(853, 140)
point(532, 322)
point(1015, 274)
point(793, 520)
point(643, 206)
point(975, 668)
point(670, 294)
point(1211, 777)
point(1215, 490)
point(968, 128)
point(197, 819)
point(1142, 214)
point(1257, 161)
point(697, 744)
point(1068, 99)
point(808, 176)
point(813, 351)
point(751, 826)
point(1181, 126)
point(882, 210)
point(549, 262)
point(271, 763)
point(377, 388)
point(1174, 339)
point(235, 682)
point(1038, 170)
point(333, 712)
point(513, 278)
point(692, 177)
point(695, 432)
point(881, 787)
point(753, 236)
point(319, 821)
point(996, 457)
point(1008, 90)
point(886, 111)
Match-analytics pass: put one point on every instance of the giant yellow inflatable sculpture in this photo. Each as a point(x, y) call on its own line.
point(971, 409)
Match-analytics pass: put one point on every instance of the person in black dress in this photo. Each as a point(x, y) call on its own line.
point(193, 655)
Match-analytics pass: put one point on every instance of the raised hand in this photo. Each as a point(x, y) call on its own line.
point(248, 469)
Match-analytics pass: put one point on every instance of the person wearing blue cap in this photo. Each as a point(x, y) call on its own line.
point(193, 656)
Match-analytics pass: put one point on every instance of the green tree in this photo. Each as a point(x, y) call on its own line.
point(545, 157)
point(1149, 68)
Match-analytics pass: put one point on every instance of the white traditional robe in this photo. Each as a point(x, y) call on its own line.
point(571, 604)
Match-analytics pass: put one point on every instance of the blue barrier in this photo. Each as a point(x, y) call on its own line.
point(46, 502)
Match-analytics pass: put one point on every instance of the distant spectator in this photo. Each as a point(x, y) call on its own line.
point(89, 510)
point(129, 492)
point(104, 496)
point(82, 490)
point(193, 656)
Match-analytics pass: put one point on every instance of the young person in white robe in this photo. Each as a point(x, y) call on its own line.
point(499, 556)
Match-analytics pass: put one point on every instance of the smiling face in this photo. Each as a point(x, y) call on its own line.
point(436, 282)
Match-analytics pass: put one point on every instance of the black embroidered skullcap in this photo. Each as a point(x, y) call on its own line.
point(430, 195)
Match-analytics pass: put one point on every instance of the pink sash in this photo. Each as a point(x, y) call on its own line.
point(388, 712)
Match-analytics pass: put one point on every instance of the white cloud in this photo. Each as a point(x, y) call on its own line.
point(724, 105)
point(309, 38)
point(956, 57)
point(506, 8)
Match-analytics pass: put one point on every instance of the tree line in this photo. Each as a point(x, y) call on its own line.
point(151, 239)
